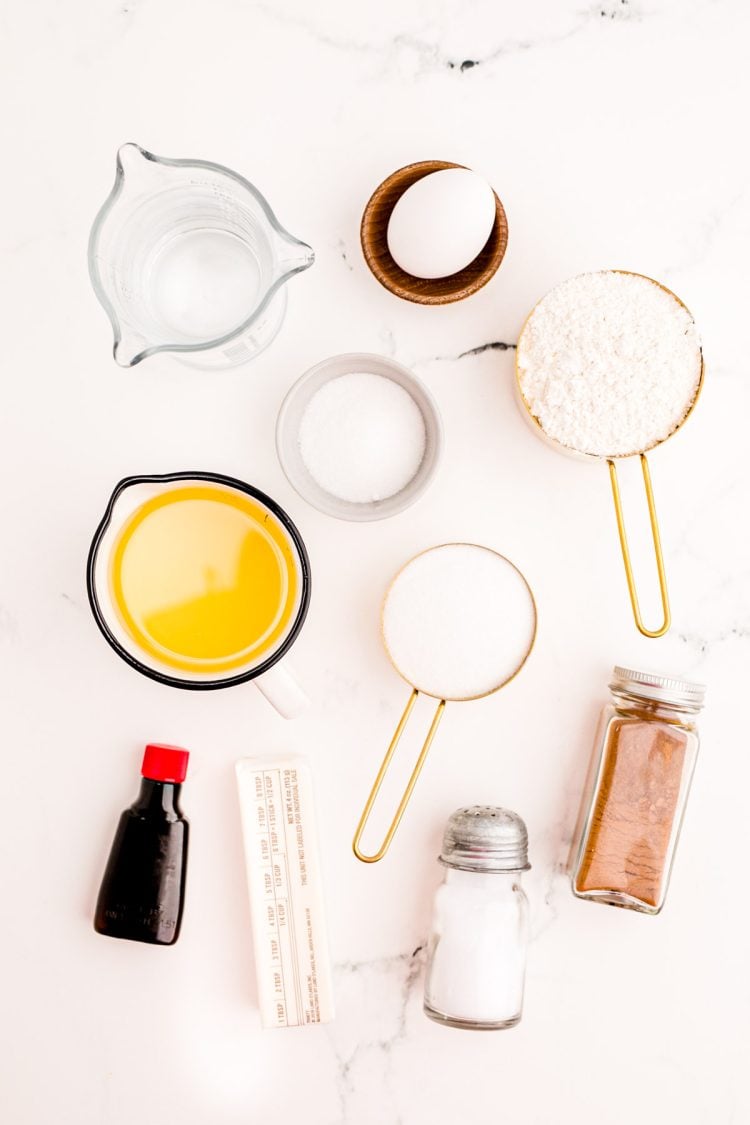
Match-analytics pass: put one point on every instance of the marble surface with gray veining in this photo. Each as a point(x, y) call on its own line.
point(616, 135)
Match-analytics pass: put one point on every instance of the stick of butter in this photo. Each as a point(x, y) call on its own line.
point(286, 903)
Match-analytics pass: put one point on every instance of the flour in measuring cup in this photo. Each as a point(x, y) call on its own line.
point(609, 363)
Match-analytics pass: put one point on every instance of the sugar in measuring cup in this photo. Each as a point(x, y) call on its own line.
point(187, 257)
point(609, 365)
point(458, 623)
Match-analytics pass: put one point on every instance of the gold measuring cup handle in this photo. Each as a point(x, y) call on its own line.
point(378, 855)
point(667, 621)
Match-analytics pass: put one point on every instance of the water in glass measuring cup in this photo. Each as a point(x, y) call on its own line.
point(186, 256)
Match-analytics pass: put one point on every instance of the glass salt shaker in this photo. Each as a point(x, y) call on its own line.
point(477, 949)
point(641, 770)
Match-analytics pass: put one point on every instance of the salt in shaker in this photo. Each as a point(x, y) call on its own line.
point(477, 949)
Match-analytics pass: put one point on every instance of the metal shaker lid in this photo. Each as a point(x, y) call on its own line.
point(485, 838)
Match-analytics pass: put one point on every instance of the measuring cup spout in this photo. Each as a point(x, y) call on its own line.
point(292, 255)
point(129, 347)
point(134, 164)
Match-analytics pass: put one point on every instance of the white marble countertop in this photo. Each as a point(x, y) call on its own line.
point(615, 135)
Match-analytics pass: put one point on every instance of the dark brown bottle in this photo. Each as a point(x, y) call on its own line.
point(143, 890)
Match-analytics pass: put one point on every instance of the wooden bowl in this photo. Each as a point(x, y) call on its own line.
point(424, 291)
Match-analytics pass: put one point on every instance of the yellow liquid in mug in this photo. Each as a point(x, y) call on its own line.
point(205, 579)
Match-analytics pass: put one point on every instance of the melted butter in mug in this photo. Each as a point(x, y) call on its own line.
point(204, 579)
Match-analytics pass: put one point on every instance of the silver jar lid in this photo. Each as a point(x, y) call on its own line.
point(485, 838)
point(661, 689)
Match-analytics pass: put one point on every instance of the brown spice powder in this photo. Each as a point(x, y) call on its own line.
point(631, 824)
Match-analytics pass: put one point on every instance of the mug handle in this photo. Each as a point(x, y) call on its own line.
point(283, 691)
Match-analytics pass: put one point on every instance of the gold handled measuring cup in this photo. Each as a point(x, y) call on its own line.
point(611, 458)
point(458, 623)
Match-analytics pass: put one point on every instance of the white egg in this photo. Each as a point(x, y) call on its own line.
point(441, 223)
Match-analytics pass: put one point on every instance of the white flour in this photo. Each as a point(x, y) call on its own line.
point(362, 437)
point(609, 363)
point(458, 621)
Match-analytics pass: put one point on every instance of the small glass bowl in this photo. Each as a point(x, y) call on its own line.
point(290, 417)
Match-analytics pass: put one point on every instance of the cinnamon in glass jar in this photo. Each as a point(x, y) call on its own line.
point(641, 771)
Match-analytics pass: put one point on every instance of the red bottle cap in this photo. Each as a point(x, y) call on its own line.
point(165, 763)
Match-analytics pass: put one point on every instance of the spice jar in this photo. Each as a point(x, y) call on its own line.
point(639, 780)
point(477, 948)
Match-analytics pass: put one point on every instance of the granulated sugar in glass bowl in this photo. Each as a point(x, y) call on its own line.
point(609, 363)
point(359, 437)
point(362, 437)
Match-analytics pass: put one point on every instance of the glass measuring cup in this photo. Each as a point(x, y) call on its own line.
point(187, 257)
point(694, 384)
point(237, 569)
point(485, 618)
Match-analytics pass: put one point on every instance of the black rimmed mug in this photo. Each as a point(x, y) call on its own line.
point(136, 495)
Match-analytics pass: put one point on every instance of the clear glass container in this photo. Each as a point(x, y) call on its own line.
point(477, 948)
point(635, 798)
point(187, 257)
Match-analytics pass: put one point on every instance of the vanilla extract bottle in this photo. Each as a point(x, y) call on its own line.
point(143, 890)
